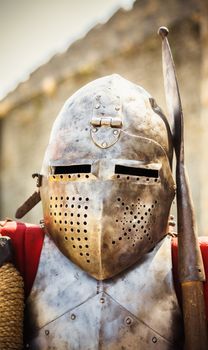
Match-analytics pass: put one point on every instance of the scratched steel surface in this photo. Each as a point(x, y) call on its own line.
point(103, 220)
point(138, 309)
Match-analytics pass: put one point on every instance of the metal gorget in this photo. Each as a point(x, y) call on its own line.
point(138, 309)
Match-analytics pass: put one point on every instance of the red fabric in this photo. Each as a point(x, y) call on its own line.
point(27, 241)
point(204, 249)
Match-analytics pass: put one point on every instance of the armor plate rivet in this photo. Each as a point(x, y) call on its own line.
point(73, 316)
point(115, 132)
point(102, 300)
point(117, 108)
point(154, 340)
point(128, 320)
point(104, 144)
point(97, 106)
point(172, 223)
point(47, 332)
point(94, 130)
point(42, 223)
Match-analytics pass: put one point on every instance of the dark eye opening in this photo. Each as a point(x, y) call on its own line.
point(127, 170)
point(73, 169)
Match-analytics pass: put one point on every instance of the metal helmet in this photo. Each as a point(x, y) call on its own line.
point(107, 185)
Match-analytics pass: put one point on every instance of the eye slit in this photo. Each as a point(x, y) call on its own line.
point(127, 170)
point(72, 169)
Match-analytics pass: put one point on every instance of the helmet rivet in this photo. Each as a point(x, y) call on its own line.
point(104, 144)
point(73, 316)
point(128, 320)
point(94, 130)
point(102, 300)
point(97, 106)
point(47, 332)
point(154, 340)
point(117, 108)
point(115, 132)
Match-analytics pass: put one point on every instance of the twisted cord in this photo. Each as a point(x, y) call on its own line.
point(11, 308)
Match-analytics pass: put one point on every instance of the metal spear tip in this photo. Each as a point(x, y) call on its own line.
point(163, 32)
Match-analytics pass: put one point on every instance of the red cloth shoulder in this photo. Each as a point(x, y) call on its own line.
point(203, 241)
point(27, 241)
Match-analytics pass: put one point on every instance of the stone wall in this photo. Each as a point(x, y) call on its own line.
point(127, 44)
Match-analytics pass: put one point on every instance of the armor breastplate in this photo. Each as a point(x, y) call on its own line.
point(137, 309)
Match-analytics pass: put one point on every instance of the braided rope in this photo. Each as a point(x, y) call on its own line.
point(11, 308)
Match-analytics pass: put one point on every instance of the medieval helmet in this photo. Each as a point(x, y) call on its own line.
point(107, 185)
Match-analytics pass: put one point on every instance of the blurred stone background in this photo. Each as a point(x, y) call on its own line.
point(127, 44)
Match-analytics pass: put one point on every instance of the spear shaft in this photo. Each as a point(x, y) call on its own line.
point(191, 270)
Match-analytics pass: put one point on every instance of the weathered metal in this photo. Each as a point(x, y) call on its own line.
point(191, 270)
point(106, 198)
point(32, 200)
point(28, 204)
point(138, 311)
